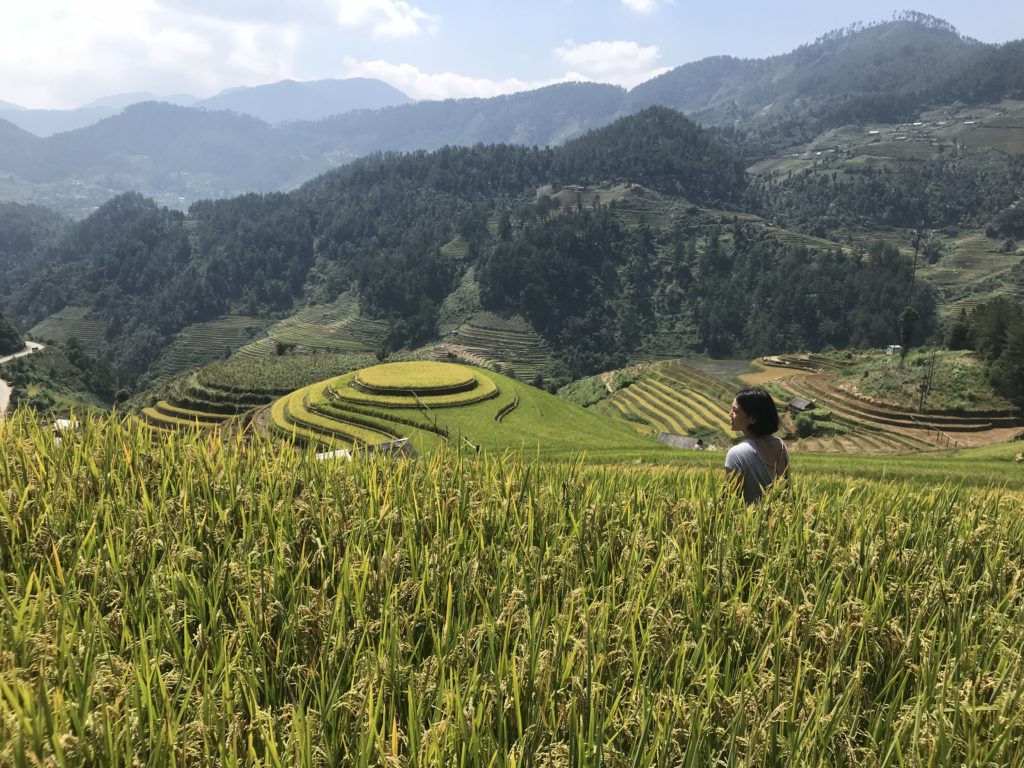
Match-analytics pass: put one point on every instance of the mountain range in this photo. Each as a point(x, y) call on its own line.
point(176, 154)
point(272, 103)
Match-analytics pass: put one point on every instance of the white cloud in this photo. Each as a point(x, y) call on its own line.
point(641, 6)
point(621, 62)
point(387, 18)
point(60, 54)
point(418, 84)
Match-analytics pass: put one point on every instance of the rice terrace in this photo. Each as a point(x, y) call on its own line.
point(220, 596)
point(628, 410)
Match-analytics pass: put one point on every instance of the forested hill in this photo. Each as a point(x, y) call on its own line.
point(884, 72)
point(27, 232)
point(596, 281)
point(881, 72)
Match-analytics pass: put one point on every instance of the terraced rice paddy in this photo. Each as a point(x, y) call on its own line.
point(216, 393)
point(354, 409)
point(660, 214)
point(198, 404)
point(973, 270)
point(204, 343)
point(874, 428)
point(500, 343)
point(675, 398)
point(457, 249)
point(431, 408)
point(336, 327)
point(71, 323)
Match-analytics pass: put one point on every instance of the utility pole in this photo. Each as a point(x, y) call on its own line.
point(925, 386)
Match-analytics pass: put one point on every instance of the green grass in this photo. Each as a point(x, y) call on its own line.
point(958, 381)
point(203, 600)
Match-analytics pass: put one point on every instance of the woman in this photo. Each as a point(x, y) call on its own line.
point(760, 459)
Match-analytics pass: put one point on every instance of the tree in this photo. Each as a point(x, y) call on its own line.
point(1007, 373)
point(10, 339)
point(959, 335)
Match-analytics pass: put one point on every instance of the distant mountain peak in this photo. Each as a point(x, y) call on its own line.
point(293, 100)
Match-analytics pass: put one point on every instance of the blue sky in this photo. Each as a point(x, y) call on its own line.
point(64, 53)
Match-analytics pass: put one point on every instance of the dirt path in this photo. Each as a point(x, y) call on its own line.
point(5, 388)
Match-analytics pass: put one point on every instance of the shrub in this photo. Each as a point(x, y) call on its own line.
point(804, 425)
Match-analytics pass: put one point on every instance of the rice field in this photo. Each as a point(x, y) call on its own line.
point(204, 343)
point(500, 343)
point(216, 393)
point(71, 323)
point(675, 398)
point(337, 327)
point(213, 600)
point(490, 412)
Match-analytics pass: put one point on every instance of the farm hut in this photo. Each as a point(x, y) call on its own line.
point(894, 349)
point(682, 441)
point(799, 405)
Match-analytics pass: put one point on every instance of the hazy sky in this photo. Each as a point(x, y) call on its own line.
point(64, 53)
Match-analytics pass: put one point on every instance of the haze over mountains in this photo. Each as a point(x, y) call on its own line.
point(273, 103)
point(177, 154)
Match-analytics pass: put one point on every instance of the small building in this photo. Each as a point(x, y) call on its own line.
point(894, 349)
point(800, 405)
point(343, 454)
point(682, 441)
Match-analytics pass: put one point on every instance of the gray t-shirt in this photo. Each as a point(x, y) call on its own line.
point(745, 459)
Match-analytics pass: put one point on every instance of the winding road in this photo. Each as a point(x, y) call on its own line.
point(5, 388)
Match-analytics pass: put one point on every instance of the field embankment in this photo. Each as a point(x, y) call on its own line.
point(209, 601)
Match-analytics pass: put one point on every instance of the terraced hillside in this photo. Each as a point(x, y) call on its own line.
point(677, 399)
point(198, 403)
point(503, 344)
point(884, 428)
point(456, 249)
point(217, 393)
point(801, 362)
point(973, 270)
point(71, 323)
point(431, 402)
point(336, 327)
point(205, 343)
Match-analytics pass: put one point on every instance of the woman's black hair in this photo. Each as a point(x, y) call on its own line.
point(759, 405)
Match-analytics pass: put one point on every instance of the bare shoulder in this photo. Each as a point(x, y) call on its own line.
point(773, 450)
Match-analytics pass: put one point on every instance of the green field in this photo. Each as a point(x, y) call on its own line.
point(201, 600)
